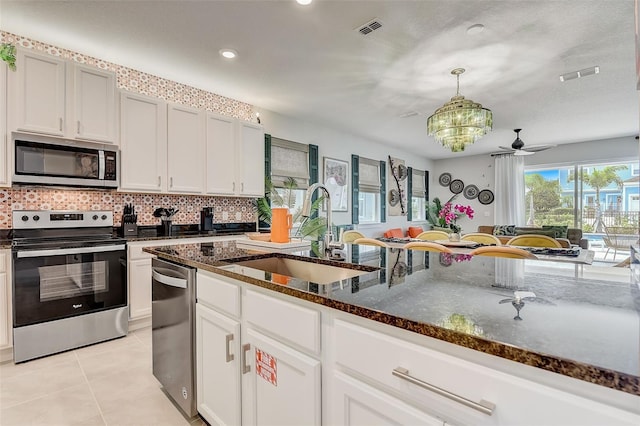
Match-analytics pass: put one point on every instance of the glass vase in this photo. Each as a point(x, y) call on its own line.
point(454, 237)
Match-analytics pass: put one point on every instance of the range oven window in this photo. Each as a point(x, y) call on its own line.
point(73, 279)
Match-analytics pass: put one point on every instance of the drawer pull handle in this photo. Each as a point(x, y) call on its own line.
point(245, 368)
point(483, 406)
point(229, 339)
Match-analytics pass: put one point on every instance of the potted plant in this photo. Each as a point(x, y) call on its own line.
point(8, 54)
point(434, 208)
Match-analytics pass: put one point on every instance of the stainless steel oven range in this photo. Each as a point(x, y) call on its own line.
point(69, 281)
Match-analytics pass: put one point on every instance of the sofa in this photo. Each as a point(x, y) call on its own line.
point(504, 234)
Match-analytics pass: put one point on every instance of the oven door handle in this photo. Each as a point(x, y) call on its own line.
point(167, 280)
point(62, 252)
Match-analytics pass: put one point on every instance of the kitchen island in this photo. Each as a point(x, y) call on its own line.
point(575, 321)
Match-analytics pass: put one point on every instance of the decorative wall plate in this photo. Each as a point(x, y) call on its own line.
point(394, 197)
point(400, 172)
point(485, 196)
point(445, 179)
point(456, 186)
point(470, 192)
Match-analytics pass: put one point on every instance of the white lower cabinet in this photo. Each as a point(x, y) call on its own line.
point(6, 317)
point(245, 375)
point(218, 367)
point(281, 385)
point(356, 403)
point(372, 373)
point(373, 356)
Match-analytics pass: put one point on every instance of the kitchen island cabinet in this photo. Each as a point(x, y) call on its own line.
point(53, 96)
point(384, 321)
point(245, 373)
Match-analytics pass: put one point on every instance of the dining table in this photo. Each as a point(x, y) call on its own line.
point(575, 255)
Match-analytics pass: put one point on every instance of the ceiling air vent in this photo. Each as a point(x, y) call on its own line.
point(582, 73)
point(369, 27)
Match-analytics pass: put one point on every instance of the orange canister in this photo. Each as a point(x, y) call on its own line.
point(281, 223)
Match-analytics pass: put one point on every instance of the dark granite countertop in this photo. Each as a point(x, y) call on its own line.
point(582, 321)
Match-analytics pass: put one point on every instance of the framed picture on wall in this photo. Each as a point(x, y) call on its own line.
point(336, 180)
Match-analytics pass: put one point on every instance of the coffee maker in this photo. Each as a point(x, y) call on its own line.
point(206, 219)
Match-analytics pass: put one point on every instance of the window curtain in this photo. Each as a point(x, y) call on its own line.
point(509, 190)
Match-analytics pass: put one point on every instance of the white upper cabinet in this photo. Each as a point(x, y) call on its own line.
point(221, 155)
point(250, 160)
point(235, 157)
point(143, 143)
point(4, 135)
point(95, 104)
point(61, 98)
point(186, 153)
point(39, 91)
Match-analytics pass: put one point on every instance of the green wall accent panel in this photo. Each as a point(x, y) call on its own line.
point(409, 192)
point(383, 191)
point(355, 188)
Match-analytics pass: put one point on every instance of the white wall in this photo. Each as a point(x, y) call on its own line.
point(479, 170)
point(339, 145)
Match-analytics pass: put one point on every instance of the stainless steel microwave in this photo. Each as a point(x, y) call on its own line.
point(68, 164)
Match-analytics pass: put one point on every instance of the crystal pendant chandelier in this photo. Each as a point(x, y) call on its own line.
point(459, 122)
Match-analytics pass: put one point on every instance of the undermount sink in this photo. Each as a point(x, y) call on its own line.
point(303, 270)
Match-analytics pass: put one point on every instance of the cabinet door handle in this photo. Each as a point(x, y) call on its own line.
point(78, 126)
point(60, 124)
point(242, 187)
point(229, 339)
point(234, 187)
point(159, 181)
point(483, 406)
point(171, 182)
point(245, 367)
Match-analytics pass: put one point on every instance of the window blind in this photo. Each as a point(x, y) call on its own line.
point(417, 183)
point(369, 175)
point(289, 159)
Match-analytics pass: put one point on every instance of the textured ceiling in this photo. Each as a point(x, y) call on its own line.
point(310, 62)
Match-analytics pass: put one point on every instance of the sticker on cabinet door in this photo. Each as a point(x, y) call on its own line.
point(267, 367)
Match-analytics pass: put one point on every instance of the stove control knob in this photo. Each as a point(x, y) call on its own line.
point(25, 218)
point(95, 217)
point(104, 217)
point(36, 218)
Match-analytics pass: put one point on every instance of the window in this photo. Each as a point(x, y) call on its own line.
point(290, 173)
point(600, 196)
point(417, 189)
point(369, 191)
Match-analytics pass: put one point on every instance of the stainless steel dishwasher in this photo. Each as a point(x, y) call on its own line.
point(173, 332)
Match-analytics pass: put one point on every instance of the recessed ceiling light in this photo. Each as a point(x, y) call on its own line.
point(228, 53)
point(304, 2)
point(475, 29)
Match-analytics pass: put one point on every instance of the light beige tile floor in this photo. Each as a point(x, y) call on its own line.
point(108, 384)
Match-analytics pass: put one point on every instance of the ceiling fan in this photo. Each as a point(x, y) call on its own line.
point(518, 148)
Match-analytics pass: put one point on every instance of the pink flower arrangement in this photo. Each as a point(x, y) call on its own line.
point(450, 215)
point(447, 259)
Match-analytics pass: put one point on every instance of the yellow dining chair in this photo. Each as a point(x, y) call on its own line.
point(370, 242)
point(533, 240)
point(495, 251)
point(479, 237)
point(351, 236)
point(427, 246)
point(433, 235)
